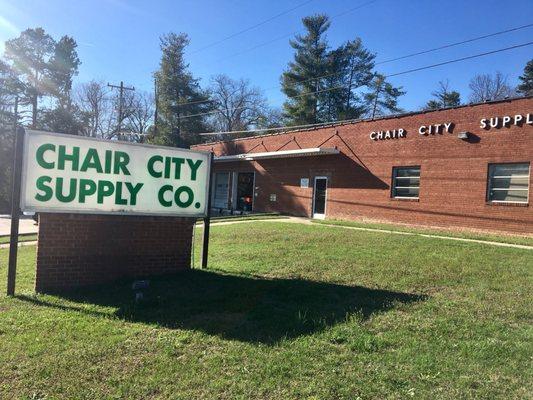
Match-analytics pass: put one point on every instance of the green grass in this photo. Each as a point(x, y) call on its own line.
point(286, 311)
point(501, 238)
point(25, 237)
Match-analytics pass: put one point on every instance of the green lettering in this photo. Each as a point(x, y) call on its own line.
point(71, 194)
point(105, 189)
point(108, 158)
point(87, 188)
point(161, 195)
point(41, 185)
point(190, 196)
point(121, 161)
point(194, 165)
point(167, 167)
point(40, 155)
point(177, 166)
point(92, 160)
point(73, 158)
point(151, 163)
point(118, 195)
point(133, 191)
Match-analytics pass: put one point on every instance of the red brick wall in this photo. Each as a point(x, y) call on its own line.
point(78, 250)
point(453, 171)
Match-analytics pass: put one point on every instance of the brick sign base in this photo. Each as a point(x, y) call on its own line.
point(77, 250)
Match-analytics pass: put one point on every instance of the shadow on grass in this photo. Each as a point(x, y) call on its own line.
point(237, 307)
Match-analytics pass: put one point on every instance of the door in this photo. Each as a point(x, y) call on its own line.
point(319, 197)
point(221, 190)
point(244, 191)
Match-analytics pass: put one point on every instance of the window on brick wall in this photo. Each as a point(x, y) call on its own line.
point(508, 183)
point(406, 182)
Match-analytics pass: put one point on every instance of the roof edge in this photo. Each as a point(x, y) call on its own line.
point(354, 121)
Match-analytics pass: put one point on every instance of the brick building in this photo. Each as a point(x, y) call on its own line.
point(467, 166)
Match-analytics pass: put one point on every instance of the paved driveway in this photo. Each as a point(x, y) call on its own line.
point(26, 225)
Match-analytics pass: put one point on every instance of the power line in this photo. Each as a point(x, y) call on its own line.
point(388, 76)
point(251, 27)
point(291, 33)
point(393, 59)
point(455, 44)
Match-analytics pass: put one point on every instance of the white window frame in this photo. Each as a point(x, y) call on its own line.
point(395, 178)
point(490, 178)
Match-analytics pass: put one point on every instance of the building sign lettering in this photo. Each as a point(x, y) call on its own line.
point(435, 129)
point(506, 121)
point(390, 134)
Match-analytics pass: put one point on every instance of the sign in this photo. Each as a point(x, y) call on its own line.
point(506, 121)
point(447, 127)
point(304, 182)
point(65, 173)
point(390, 134)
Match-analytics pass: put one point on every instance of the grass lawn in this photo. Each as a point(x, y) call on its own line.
point(25, 237)
point(286, 311)
point(526, 240)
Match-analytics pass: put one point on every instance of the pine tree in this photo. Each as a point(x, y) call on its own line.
point(351, 68)
point(324, 85)
point(302, 82)
point(63, 66)
point(29, 55)
point(383, 97)
point(444, 97)
point(180, 97)
point(526, 87)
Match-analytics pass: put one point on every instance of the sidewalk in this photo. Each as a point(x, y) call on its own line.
point(26, 225)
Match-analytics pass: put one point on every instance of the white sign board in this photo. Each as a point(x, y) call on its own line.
point(65, 173)
point(304, 182)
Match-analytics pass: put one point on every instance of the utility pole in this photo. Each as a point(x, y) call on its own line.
point(121, 89)
point(18, 137)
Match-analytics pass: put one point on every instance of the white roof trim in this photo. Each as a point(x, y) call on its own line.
point(316, 151)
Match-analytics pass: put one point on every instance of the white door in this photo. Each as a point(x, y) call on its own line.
point(320, 190)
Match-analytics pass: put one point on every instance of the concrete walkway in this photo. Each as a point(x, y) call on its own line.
point(306, 221)
point(26, 225)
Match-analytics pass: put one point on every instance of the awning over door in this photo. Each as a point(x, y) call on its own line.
point(316, 151)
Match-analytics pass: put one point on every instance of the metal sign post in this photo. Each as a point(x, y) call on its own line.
point(15, 210)
point(207, 218)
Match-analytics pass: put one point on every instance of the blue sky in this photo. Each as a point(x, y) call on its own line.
point(119, 39)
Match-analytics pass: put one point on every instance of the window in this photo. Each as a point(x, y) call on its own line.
point(508, 183)
point(406, 182)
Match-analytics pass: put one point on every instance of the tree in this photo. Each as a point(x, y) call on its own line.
point(180, 97)
point(526, 87)
point(383, 97)
point(444, 97)
point(324, 85)
point(63, 120)
point(485, 87)
point(303, 81)
point(92, 99)
point(140, 115)
point(63, 66)
point(350, 69)
point(240, 106)
point(30, 54)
